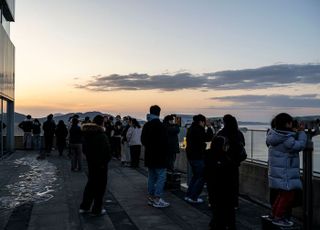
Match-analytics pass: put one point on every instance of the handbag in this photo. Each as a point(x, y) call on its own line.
point(243, 153)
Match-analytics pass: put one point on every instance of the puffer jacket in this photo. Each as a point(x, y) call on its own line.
point(284, 162)
point(96, 145)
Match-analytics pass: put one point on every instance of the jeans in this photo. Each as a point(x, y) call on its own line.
point(36, 141)
point(156, 181)
point(197, 181)
point(27, 140)
point(76, 160)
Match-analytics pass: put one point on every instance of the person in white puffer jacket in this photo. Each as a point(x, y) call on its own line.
point(134, 141)
point(284, 145)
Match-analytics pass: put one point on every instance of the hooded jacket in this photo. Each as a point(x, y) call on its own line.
point(155, 140)
point(96, 145)
point(284, 162)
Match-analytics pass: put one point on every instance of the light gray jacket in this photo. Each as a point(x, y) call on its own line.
point(134, 136)
point(284, 162)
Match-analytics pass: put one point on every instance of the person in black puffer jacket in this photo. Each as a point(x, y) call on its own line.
point(98, 154)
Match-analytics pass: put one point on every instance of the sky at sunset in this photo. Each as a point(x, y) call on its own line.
point(250, 58)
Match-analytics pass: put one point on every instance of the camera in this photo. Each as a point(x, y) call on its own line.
point(176, 119)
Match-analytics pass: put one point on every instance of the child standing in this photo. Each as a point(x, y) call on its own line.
point(284, 165)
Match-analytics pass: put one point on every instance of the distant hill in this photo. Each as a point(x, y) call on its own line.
point(18, 117)
point(66, 117)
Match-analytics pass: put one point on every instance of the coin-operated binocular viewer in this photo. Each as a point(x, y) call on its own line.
point(312, 129)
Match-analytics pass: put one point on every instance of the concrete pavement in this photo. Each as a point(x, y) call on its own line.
point(52, 201)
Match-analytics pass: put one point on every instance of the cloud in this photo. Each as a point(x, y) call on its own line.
point(259, 78)
point(279, 101)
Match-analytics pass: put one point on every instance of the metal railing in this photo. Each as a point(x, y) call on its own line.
point(258, 151)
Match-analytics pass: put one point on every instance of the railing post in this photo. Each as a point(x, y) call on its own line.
point(251, 145)
point(307, 184)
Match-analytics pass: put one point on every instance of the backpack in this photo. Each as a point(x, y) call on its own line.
point(218, 153)
point(238, 152)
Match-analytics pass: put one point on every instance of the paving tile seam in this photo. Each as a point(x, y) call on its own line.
point(119, 212)
point(66, 193)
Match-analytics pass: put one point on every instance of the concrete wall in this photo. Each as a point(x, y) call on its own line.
point(19, 142)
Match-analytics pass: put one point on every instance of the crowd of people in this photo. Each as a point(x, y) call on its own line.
point(216, 165)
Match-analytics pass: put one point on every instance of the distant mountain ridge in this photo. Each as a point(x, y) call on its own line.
point(18, 117)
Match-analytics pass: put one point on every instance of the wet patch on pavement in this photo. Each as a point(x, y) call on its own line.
point(35, 184)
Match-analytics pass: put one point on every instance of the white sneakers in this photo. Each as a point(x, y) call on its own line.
point(282, 222)
point(83, 211)
point(158, 203)
point(198, 201)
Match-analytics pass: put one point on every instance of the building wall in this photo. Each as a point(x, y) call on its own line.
point(7, 77)
point(7, 52)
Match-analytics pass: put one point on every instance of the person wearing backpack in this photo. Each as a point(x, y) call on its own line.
point(222, 173)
